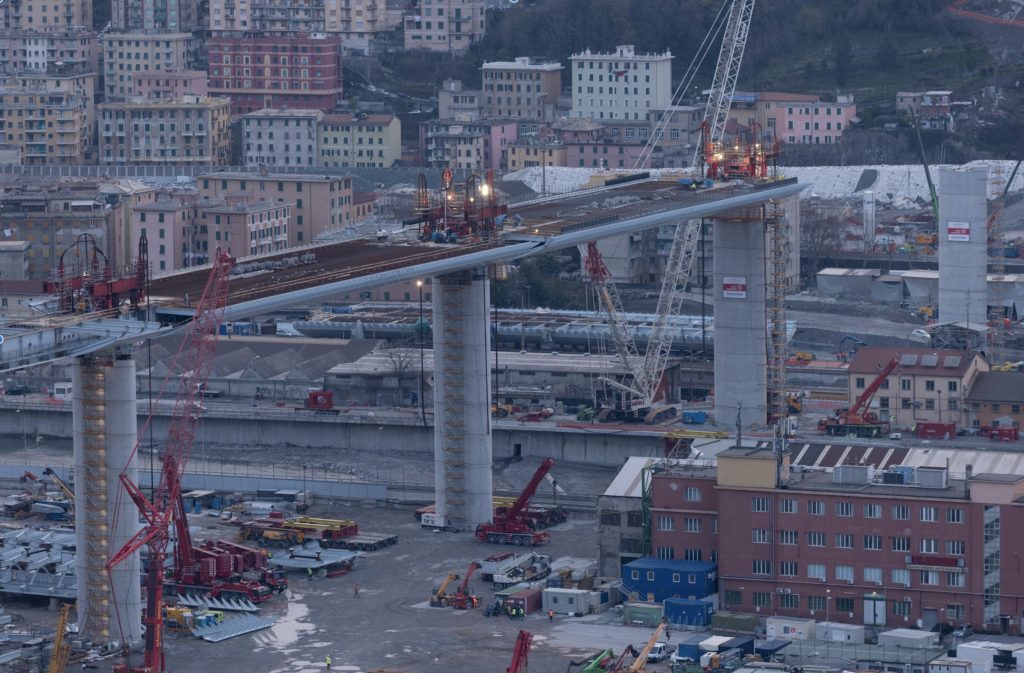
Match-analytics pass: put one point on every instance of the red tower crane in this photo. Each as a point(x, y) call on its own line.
point(195, 357)
point(858, 419)
point(509, 527)
point(521, 653)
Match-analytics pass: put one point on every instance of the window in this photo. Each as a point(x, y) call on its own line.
point(859, 382)
point(873, 576)
point(788, 506)
point(954, 515)
point(954, 579)
point(873, 542)
point(666, 523)
point(844, 540)
point(791, 601)
point(607, 518)
point(928, 514)
point(901, 577)
point(929, 545)
point(816, 571)
point(844, 574)
point(844, 509)
point(692, 525)
point(929, 385)
point(815, 539)
point(930, 577)
point(901, 608)
point(956, 547)
point(759, 567)
point(759, 504)
point(844, 604)
point(901, 512)
point(789, 568)
point(762, 599)
point(789, 537)
point(693, 555)
point(760, 536)
point(733, 597)
point(872, 511)
point(666, 553)
point(816, 507)
point(901, 544)
point(692, 494)
point(951, 386)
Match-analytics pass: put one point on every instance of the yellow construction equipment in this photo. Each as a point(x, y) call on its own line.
point(62, 485)
point(61, 646)
point(804, 356)
point(695, 434)
point(641, 659)
point(441, 597)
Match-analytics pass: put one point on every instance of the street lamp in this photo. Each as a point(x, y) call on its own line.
point(24, 432)
point(828, 605)
point(421, 328)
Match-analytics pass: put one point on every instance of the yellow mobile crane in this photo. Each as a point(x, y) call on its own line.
point(62, 485)
point(61, 647)
point(441, 598)
point(641, 659)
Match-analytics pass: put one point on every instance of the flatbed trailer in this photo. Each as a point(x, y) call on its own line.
point(367, 541)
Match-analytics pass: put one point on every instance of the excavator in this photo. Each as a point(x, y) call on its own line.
point(463, 600)
point(441, 597)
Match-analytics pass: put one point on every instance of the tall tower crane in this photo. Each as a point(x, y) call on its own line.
point(195, 357)
point(644, 375)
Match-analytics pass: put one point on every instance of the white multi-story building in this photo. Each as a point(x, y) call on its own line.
point(620, 85)
point(128, 54)
point(281, 137)
point(521, 89)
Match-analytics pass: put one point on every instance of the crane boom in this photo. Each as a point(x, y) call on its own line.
point(524, 498)
point(521, 653)
point(61, 647)
point(473, 567)
point(641, 657)
point(865, 397)
point(195, 357)
point(727, 71)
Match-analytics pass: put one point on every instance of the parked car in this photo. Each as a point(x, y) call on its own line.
point(14, 388)
point(657, 653)
point(963, 631)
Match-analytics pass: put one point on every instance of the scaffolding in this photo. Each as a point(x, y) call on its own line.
point(93, 509)
point(777, 230)
point(453, 322)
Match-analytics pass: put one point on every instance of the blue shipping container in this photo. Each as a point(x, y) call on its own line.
point(686, 612)
point(742, 643)
point(654, 580)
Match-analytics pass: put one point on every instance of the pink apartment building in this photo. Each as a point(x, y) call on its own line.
point(170, 85)
point(796, 118)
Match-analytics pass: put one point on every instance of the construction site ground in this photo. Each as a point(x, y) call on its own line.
point(390, 625)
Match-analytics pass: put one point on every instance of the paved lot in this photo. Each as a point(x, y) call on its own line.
point(390, 626)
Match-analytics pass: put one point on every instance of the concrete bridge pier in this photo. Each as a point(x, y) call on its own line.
point(741, 355)
point(105, 431)
point(462, 413)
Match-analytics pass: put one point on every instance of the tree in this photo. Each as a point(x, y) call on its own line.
point(402, 366)
point(843, 60)
point(821, 233)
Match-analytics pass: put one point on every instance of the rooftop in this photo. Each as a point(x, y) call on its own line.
point(522, 63)
point(913, 361)
point(291, 113)
point(622, 51)
point(358, 120)
point(1007, 387)
point(284, 177)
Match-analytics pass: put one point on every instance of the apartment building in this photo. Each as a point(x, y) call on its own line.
point(319, 203)
point(185, 131)
point(454, 101)
point(66, 16)
point(795, 118)
point(530, 151)
point(171, 225)
point(244, 223)
point(295, 70)
point(127, 55)
point(902, 547)
point(51, 214)
point(996, 400)
point(522, 89)
point(362, 140)
point(621, 84)
point(76, 81)
point(473, 145)
point(356, 23)
point(445, 25)
point(23, 50)
point(281, 137)
point(929, 386)
point(171, 85)
point(48, 127)
point(171, 16)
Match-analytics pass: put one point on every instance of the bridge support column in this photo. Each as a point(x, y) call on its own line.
point(741, 349)
point(462, 398)
point(105, 430)
point(963, 245)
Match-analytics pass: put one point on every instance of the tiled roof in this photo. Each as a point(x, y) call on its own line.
point(913, 361)
point(1005, 387)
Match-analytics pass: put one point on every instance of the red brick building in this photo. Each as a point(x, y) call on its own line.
point(297, 71)
point(893, 548)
